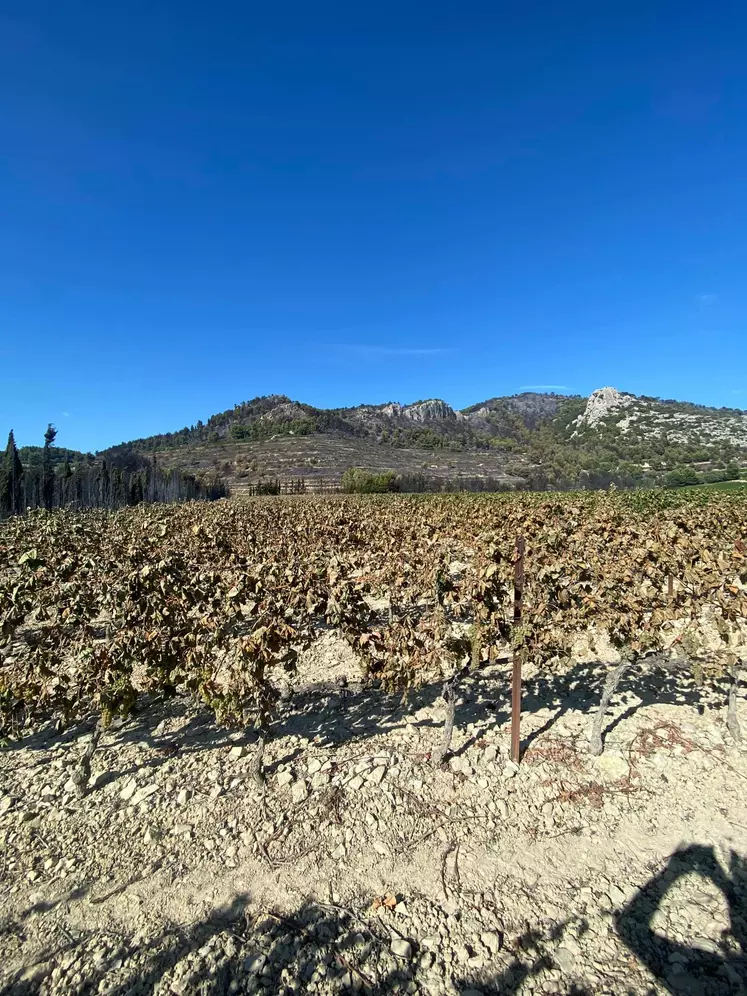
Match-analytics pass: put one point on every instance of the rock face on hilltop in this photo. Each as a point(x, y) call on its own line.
point(433, 410)
point(287, 411)
point(602, 403)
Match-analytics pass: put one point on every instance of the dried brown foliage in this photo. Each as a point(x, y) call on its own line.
point(96, 607)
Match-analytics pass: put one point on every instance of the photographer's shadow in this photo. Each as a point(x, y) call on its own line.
point(680, 968)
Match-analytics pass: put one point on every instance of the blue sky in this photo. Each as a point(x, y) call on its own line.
point(200, 203)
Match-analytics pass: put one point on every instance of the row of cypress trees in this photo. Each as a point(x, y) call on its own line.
point(11, 480)
point(93, 485)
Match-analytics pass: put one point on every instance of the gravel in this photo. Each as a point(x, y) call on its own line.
point(359, 861)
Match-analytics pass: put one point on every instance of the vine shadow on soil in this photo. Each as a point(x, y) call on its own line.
point(237, 949)
point(234, 950)
point(334, 715)
point(684, 969)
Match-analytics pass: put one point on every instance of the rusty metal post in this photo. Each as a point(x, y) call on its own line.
point(516, 682)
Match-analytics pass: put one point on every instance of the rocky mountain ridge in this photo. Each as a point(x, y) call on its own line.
point(570, 415)
point(529, 440)
point(532, 439)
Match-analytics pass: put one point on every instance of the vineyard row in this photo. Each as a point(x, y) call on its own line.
point(214, 600)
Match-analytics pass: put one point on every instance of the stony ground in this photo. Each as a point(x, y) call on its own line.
point(362, 869)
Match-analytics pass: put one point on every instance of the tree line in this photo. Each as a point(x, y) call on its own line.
point(50, 483)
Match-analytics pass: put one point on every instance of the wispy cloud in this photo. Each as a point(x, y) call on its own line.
point(392, 350)
point(66, 414)
point(705, 299)
point(544, 387)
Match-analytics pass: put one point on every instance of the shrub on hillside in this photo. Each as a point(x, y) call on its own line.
point(357, 481)
point(681, 476)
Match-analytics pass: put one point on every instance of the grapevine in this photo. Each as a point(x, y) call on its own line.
point(98, 609)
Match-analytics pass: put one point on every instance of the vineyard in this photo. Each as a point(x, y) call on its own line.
point(272, 746)
point(216, 601)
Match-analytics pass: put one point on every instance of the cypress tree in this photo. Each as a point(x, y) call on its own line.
point(16, 476)
point(153, 482)
point(117, 489)
point(11, 480)
point(135, 490)
point(66, 491)
point(104, 484)
point(5, 500)
point(47, 472)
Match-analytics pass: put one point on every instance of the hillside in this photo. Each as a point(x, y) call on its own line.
point(32, 456)
point(530, 440)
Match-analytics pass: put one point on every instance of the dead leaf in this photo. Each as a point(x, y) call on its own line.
point(388, 902)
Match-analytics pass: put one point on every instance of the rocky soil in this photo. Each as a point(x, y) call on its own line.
point(361, 868)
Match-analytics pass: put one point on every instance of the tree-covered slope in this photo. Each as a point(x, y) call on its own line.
point(538, 440)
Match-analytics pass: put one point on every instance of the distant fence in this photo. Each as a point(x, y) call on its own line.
point(406, 483)
point(287, 486)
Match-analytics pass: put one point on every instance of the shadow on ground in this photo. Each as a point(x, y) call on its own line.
point(334, 715)
point(681, 968)
point(347, 950)
point(234, 950)
point(340, 715)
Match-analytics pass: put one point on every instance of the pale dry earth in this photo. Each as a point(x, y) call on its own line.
point(361, 868)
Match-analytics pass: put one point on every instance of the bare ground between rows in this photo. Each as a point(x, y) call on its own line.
point(573, 874)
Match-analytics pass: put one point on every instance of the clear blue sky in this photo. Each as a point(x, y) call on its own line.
point(348, 202)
